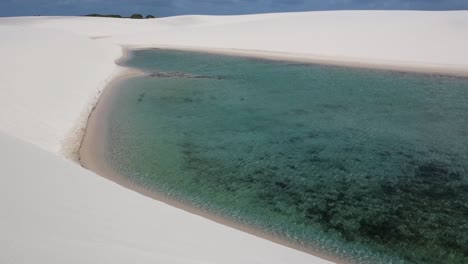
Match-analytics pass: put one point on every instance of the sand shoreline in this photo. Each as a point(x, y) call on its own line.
point(383, 65)
point(92, 157)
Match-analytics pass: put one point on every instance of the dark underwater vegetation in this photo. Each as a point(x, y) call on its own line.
point(361, 164)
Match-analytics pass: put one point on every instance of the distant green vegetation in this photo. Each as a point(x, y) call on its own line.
point(134, 16)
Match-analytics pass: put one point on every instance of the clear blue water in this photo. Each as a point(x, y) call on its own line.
point(362, 164)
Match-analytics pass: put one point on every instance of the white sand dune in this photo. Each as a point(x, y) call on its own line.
point(52, 70)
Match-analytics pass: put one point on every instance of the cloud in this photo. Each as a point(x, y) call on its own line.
point(178, 7)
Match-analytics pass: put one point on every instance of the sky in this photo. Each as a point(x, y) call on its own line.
point(161, 8)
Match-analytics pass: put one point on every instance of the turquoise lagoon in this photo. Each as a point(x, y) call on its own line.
point(367, 165)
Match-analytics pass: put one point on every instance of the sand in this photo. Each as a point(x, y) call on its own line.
point(53, 70)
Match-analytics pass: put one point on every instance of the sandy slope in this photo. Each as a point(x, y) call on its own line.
point(52, 70)
point(56, 212)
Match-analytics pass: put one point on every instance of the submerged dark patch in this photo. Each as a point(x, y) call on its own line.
point(425, 209)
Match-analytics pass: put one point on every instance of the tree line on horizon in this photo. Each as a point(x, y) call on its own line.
point(134, 16)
